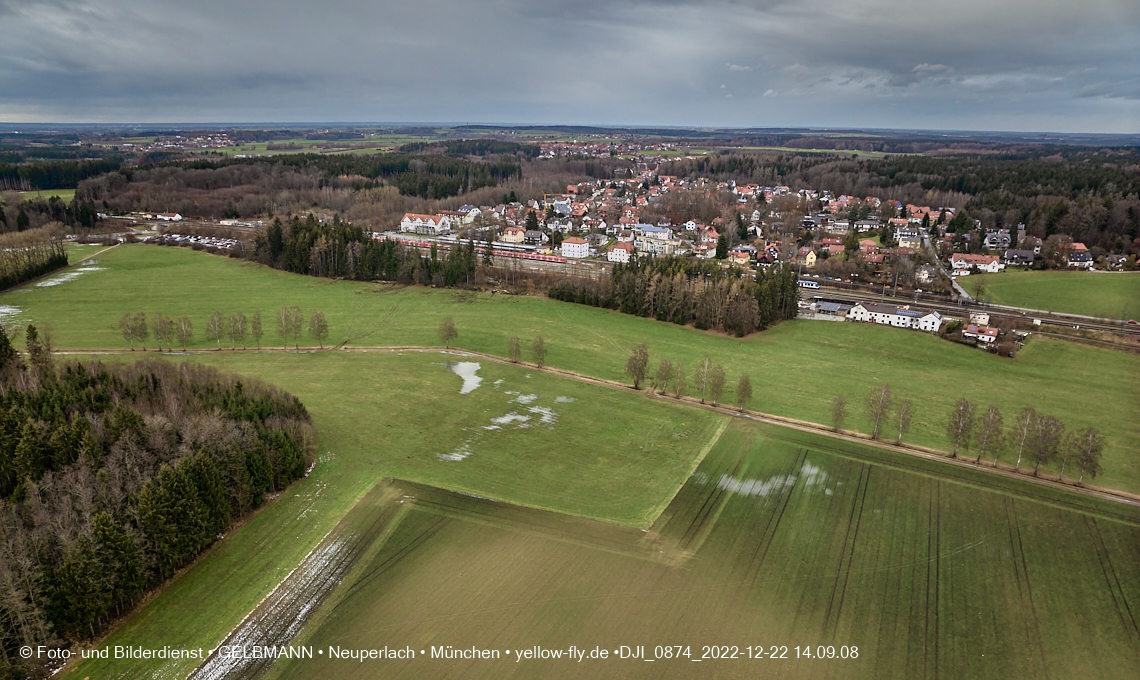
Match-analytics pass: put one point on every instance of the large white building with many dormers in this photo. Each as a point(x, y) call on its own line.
point(426, 225)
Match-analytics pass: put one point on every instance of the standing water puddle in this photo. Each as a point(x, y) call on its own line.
point(466, 370)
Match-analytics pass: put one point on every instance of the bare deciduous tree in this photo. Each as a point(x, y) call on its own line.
point(701, 376)
point(637, 365)
point(990, 435)
point(679, 381)
point(1090, 445)
point(743, 391)
point(236, 327)
point(128, 330)
point(906, 415)
point(538, 349)
point(255, 329)
point(1023, 432)
point(185, 330)
point(838, 411)
point(156, 327)
point(319, 328)
point(664, 375)
point(284, 326)
point(447, 331)
point(716, 382)
point(878, 407)
point(513, 350)
point(139, 328)
point(296, 324)
point(1048, 433)
point(961, 425)
point(215, 328)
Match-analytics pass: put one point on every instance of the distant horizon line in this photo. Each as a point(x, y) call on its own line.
point(508, 126)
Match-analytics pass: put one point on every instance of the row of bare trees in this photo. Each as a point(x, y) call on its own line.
point(537, 350)
point(1035, 436)
point(672, 378)
point(237, 328)
point(881, 410)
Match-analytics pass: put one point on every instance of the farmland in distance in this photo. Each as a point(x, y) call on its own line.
point(1108, 295)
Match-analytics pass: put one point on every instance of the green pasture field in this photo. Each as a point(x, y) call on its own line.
point(1110, 295)
point(67, 195)
point(609, 455)
point(775, 542)
point(796, 368)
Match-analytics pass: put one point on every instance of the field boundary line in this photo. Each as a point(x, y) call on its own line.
point(53, 272)
point(1114, 495)
point(700, 458)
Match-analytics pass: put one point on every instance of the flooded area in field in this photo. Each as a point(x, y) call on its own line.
point(59, 279)
point(466, 370)
point(533, 413)
point(808, 476)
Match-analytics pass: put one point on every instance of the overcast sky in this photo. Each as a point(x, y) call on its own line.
point(1020, 65)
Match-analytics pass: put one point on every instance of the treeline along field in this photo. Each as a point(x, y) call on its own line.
point(241, 187)
point(685, 291)
point(24, 256)
point(113, 477)
point(673, 289)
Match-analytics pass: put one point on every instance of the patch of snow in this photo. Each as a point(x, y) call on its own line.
point(466, 370)
point(58, 280)
point(459, 454)
point(809, 474)
point(546, 415)
point(511, 417)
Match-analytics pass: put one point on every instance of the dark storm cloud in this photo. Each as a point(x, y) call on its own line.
point(993, 64)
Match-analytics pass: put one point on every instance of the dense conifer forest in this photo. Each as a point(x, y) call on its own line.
point(686, 291)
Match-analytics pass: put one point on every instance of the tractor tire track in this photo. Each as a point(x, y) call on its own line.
point(849, 554)
point(769, 535)
point(1127, 619)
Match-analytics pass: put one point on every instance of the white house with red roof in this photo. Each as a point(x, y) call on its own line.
point(428, 225)
point(619, 252)
point(513, 235)
point(575, 248)
point(963, 263)
point(984, 334)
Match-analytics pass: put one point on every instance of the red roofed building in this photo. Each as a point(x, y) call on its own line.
point(575, 248)
point(964, 262)
point(619, 252)
point(984, 334)
point(428, 225)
